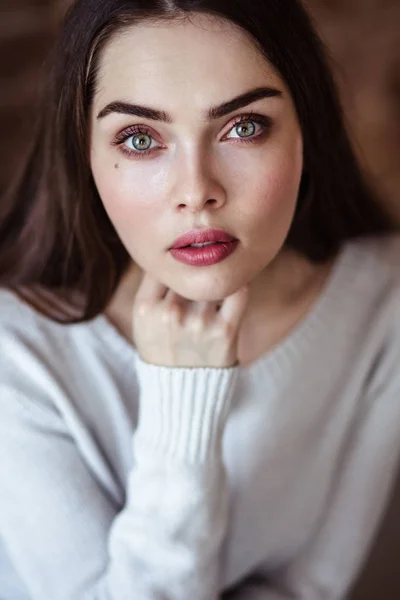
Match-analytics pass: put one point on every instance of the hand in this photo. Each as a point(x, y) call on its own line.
point(172, 331)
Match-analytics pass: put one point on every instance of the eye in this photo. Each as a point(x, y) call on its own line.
point(135, 141)
point(245, 129)
point(250, 127)
point(139, 142)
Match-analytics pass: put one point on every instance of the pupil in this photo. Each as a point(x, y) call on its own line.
point(247, 129)
point(140, 141)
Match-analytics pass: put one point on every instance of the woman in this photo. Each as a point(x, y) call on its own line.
point(199, 317)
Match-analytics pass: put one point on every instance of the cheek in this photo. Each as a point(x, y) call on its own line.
point(131, 202)
point(273, 186)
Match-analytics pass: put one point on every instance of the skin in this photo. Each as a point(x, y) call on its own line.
point(201, 174)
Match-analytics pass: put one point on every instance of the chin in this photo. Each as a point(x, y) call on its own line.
point(213, 291)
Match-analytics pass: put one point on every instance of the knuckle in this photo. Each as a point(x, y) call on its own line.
point(143, 308)
point(196, 324)
point(171, 315)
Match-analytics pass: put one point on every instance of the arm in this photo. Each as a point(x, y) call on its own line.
point(63, 532)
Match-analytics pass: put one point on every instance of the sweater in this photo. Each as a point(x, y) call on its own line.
point(122, 480)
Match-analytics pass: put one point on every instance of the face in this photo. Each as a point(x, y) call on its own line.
point(161, 175)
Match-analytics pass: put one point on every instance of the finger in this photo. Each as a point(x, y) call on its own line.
point(150, 289)
point(234, 306)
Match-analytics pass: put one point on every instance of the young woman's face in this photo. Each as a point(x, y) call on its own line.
point(189, 168)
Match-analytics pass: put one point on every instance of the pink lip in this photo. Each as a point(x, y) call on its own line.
point(202, 236)
point(206, 256)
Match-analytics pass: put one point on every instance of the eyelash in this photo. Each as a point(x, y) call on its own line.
point(121, 138)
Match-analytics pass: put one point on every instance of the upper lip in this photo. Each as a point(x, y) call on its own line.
point(201, 236)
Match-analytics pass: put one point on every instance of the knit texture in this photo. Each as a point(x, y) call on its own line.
point(121, 480)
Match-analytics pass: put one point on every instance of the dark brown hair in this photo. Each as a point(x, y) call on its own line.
point(55, 236)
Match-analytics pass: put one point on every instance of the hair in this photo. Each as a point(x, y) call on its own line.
point(55, 236)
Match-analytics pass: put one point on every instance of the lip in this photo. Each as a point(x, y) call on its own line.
point(206, 256)
point(202, 236)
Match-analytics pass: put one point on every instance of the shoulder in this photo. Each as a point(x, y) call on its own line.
point(385, 271)
point(384, 276)
point(38, 355)
point(379, 300)
point(11, 307)
point(374, 266)
point(22, 325)
point(383, 250)
point(386, 251)
point(358, 317)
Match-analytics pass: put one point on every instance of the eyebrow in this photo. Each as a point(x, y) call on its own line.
point(212, 114)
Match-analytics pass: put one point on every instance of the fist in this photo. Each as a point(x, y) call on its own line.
point(171, 331)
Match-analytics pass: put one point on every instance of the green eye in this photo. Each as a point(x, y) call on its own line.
point(246, 129)
point(141, 141)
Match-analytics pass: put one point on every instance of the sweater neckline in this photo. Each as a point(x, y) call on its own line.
point(278, 358)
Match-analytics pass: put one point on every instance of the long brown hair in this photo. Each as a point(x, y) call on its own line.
point(56, 240)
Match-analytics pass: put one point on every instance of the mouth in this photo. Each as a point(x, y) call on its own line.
point(199, 238)
point(204, 256)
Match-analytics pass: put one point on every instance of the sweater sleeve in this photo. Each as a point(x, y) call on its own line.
point(62, 531)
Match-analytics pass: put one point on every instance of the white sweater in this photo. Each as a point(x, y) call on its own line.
point(121, 480)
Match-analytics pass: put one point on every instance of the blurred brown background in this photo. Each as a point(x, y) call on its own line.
point(363, 38)
point(27, 28)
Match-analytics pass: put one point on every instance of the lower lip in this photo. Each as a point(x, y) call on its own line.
point(206, 256)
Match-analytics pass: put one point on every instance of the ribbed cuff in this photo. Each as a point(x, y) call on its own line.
point(183, 411)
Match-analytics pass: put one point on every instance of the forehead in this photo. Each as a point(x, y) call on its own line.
point(195, 60)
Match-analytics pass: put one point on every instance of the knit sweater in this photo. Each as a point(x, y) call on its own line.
point(122, 480)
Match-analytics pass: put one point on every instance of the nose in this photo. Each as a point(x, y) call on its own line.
point(196, 184)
